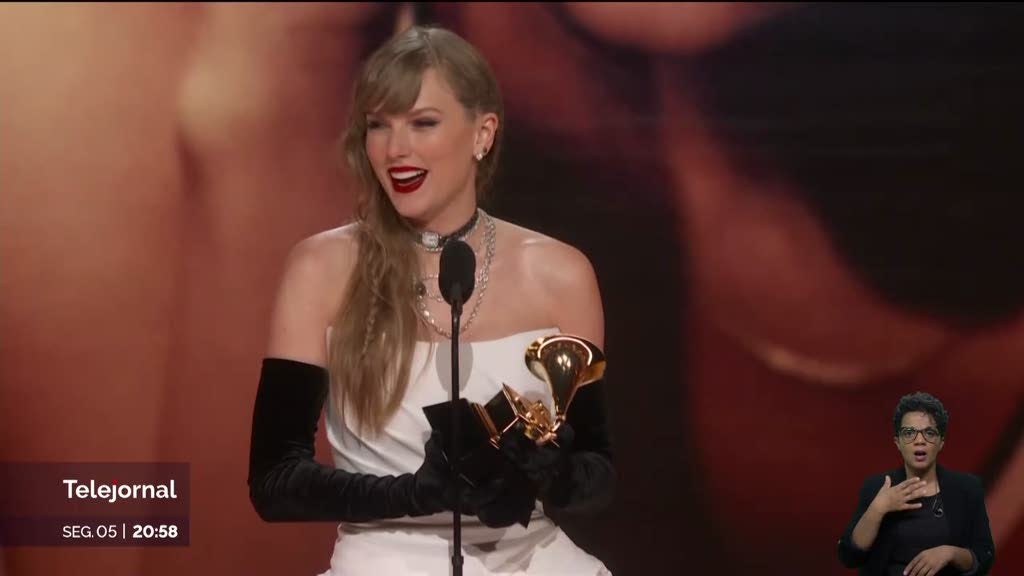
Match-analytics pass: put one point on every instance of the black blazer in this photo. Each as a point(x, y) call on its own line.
point(963, 501)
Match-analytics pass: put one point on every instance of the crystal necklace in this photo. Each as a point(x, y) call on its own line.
point(482, 277)
point(434, 242)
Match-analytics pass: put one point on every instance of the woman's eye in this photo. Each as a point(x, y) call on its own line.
point(425, 123)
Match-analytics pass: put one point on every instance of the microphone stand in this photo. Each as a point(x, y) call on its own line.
point(454, 441)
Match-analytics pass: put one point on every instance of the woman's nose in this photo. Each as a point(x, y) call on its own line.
point(398, 143)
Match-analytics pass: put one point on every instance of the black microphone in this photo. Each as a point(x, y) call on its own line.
point(457, 276)
point(456, 279)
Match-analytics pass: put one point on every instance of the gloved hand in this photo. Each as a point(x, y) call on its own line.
point(508, 499)
point(286, 483)
point(505, 498)
point(432, 483)
point(542, 465)
point(576, 475)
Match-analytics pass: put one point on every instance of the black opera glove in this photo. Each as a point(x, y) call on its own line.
point(286, 483)
point(509, 498)
point(542, 465)
point(576, 474)
point(506, 497)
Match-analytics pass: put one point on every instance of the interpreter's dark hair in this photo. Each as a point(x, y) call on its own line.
point(921, 402)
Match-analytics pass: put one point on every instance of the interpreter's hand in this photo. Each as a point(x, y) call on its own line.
point(895, 498)
point(929, 562)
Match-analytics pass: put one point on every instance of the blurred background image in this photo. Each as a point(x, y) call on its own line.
point(797, 213)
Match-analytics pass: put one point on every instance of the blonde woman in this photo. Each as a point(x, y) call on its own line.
point(359, 323)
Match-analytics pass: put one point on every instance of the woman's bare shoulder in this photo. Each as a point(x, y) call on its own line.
point(311, 291)
point(543, 256)
point(327, 254)
point(560, 275)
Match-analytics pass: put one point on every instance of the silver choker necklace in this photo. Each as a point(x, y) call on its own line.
point(434, 242)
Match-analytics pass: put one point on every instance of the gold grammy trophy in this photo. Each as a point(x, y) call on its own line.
point(563, 361)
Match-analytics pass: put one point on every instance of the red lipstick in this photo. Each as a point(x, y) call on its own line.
point(406, 179)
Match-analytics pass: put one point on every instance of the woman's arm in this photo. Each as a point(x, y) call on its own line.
point(982, 548)
point(583, 479)
point(286, 483)
point(851, 553)
point(315, 278)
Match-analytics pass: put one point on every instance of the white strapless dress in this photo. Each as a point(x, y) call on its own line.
point(422, 546)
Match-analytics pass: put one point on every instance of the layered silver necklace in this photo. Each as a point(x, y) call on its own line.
point(423, 294)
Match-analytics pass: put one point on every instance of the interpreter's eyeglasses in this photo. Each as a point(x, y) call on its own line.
point(908, 435)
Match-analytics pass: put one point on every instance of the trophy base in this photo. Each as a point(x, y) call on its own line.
point(479, 459)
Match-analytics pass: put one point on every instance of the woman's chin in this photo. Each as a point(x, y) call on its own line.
point(410, 207)
point(918, 466)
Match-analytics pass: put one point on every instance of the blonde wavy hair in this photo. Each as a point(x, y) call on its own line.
point(373, 335)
